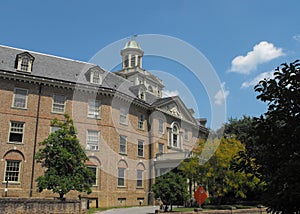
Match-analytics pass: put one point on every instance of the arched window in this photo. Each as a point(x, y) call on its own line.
point(122, 166)
point(174, 136)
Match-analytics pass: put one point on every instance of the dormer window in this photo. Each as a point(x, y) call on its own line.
point(95, 77)
point(24, 62)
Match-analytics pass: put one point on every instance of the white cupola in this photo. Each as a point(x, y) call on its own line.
point(132, 55)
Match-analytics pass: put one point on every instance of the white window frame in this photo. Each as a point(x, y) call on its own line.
point(139, 178)
point(123, 116)
point(20, 96)
point(140, 147)
point(121, 176)
point(12, 172)
point(95, 170)
point(16, 131)
point(123, 144)
point(96, 77)
point(57, 104)
point(94, 109)
point(92, 140)
point(171, 136)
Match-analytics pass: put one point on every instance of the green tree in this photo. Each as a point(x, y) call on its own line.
point(170, 188)
point(278, 138)
point(64, 160)
point(215, 172)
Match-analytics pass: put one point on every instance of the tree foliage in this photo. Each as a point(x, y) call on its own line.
point(170, 188)
point(278, 138)
point(64, 160)
point(215, 172)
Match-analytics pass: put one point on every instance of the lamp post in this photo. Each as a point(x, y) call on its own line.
point(6, 186)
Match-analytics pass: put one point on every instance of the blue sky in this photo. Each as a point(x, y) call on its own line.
point(243, 40)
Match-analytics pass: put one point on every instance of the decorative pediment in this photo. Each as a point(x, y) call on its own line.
point(174, 106)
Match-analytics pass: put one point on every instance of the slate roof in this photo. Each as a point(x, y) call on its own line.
point(63, 69)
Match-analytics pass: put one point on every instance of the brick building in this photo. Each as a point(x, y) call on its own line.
point(129, 131)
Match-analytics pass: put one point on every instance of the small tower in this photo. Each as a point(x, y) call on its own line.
point(131, 55)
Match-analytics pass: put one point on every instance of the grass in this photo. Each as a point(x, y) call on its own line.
point(212, 207)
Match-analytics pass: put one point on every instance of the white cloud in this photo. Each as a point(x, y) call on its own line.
point(167, 93)
point(297, 37)
point(261, 53)
point(221, 95)
point(253, 82)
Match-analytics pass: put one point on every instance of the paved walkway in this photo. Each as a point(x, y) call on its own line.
point(132, 210)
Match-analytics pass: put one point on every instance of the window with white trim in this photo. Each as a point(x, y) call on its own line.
point(132, 61)
point(96, 77)
point(141, 121)
point(95, 172)
point(20, 98)
point(94, 109)
point(12, 171)
point(121, 177)
point(174, 136)
point(58, 104)
point(123, 116)
point(24, 62)
point(140, 148)
point(123, 144)
point(16, 132)
point(139, 178)
point(92, 142)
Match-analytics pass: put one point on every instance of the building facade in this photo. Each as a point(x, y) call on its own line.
point(130, 133)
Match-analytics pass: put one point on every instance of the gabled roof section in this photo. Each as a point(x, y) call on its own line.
point(174, 106)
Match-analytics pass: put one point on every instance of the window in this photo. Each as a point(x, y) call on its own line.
point(141, 122)
point(94, 171)
point(141, 148)
point(161, 126)
point(121, 177)
point(186, 134)
point(142, 95)
point(126, 62)
point(132, 61)
point(174, 136)
point(94, 109)
point(96, 77)
point(139, 178)
point(123, 116)
point(16, 132)
point(20, 98)
point(54, 129)
point(12, 171)
point(160, 148)
point(92, 140)
point(123, 142)
point(58, 104)
point(24, 63)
